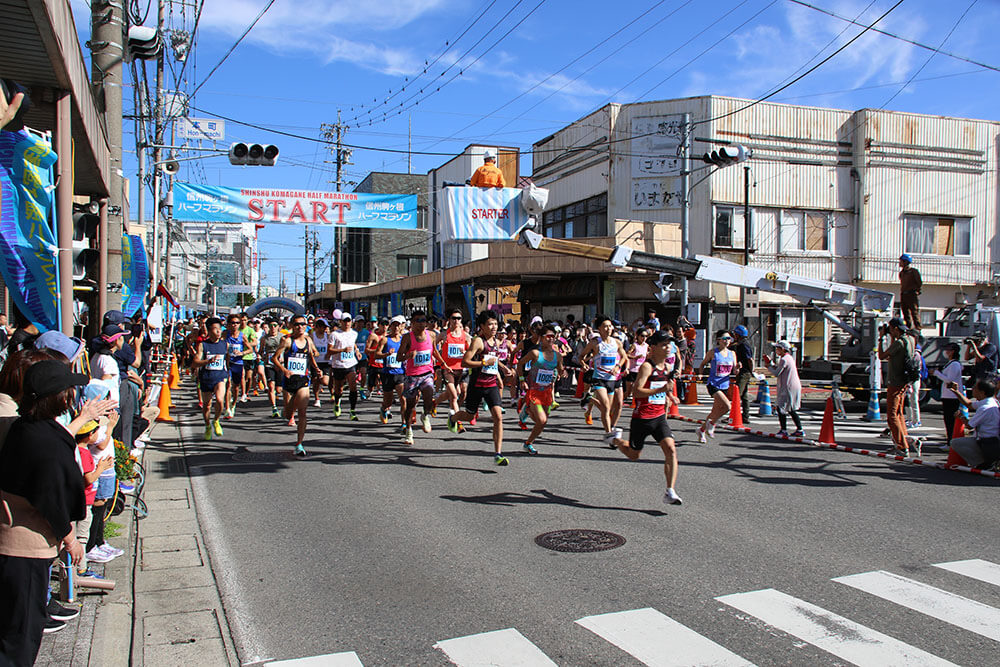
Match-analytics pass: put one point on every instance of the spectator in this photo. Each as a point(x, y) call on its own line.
point(910, 285)
point(913, 391)
point(652, 321)
point(984, 353)
point(950, 374)
point(983, 451)
point(71, 348)
point(103, 366)
point(42, 493)
point(4, 331)
point(896, 353)
point(488, 175)
point(789, 395)
point(24, 334)
point(745, 365)
point(129, 358)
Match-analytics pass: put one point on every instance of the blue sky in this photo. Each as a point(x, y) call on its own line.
point(522, 70)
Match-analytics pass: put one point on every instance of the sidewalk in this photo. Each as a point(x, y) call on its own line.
point(165, 610)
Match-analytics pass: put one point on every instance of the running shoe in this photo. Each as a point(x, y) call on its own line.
point(218, 427)
point(702, 438)
point(354, 416)
point(500, 459)
point(711, 429)
point(452, 425)
point(402, 430)
point(363, 394)
point(275, 413)
point(671, 498)
point(425, 423)
point(336, 408)
point(524, 427)
point(95, 555)
point(90, 574)
point(798, 434)
point(609, 439)
point(232, 412)
point(384, 416)
point(916, 424)
point(474, 418)
point(408, 438)
point(300, 451)
point(529, 448)
point(584, 401)
point(291, 422)
point(60, 613)
point(208, 433)
point(434, 411)
point(244, 398)
point(52, 625)
point(114, 552)
point(461, 429)
point(782, 433)
point(588, 420)
point(316, 403)
point(554, 405)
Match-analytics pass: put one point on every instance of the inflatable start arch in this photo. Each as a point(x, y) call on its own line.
point(276, 303)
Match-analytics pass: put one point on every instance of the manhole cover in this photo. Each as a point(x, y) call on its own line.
point(263, 457)
point(579, 540)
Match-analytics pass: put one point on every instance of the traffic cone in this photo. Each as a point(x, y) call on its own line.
point(691, 395)
point(959, 430)
point(673, 411)
point(736, 410)
point(175, 375)
point(954, 459)
point(873, 415)
point(764, 399)
point(826, 430)
point(164, 404)
point(579, 385)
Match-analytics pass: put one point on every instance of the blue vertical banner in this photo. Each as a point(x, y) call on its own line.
point(469, 292)
point(28, 247)
point(353, 308)
point(395, 304)
point(437, 303)
point(135, 274)
point(383, 307)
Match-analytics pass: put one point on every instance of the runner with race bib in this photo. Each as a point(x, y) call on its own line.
point(721, 363)
point(546, 369)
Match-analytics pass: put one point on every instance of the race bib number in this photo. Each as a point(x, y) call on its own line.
point(235, 349)
point(659, 398)
point(298, 365)
point(217, 364)
point(321, 351)
point(455, 350)
point(544, 377)
point(347, 356)
point(608, 362)
point(492, 369)
point(422, 358)
point(723, 370)
point(391, 361)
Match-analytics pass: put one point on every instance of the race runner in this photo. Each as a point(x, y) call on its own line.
point(653, 391)
point(375, 364)
point(721, 363)
point(484, 381)
point(237, 346)
point(418, 353)
point(268, 346)
point(392, 368)
point(343, 353)
point(295, 358)
point(608, 357)
point(546, 367)
point(452, 344)
point(213, 373)
point(321, 341)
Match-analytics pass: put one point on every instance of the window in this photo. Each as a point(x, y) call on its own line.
point(410, 265)
point(930, 235)
point(729, 227)
point(928, 319)
point(357, 256)
point(804, 231)
point(421, 217)
point(588, 217)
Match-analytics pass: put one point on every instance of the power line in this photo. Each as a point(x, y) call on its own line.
point(233, 47)
point(899, 37)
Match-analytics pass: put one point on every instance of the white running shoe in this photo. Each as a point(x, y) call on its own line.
point(95, 555)
point(425, 423)
point(671, 498)
point(244, 399)
point(702, 438)
point(316, 403)
point(711, 429)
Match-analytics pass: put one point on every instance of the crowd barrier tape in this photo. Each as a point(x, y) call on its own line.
point(816, 384)
point(852, 450)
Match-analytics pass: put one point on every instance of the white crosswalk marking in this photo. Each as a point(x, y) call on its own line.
point(983, 570)
point(501, 648)
point(659, 641)
point(959, 611)
point(330, 660)
point(835, 634)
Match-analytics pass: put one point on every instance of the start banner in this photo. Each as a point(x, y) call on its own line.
point(482, 214)
point(209, 203)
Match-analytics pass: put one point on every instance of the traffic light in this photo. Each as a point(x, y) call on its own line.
point(144, 42)
point(727, 155)
point(253, 154)
point(662, 287)
point(85, 256)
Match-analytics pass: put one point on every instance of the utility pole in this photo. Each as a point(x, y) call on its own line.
point(685, 203)
point(305, 268)
point(342, 157)
point(157, 151)
point(107, 55)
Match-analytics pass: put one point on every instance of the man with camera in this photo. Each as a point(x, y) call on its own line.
point(899, 350)
point(983, 354)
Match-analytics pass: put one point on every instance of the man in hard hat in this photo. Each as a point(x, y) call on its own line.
point(489, 175)
point(909, 292)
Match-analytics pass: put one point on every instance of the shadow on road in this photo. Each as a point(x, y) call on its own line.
point(542, 497)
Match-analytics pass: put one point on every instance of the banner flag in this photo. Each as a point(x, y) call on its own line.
point(395, 303)
point(383, 307)
point(469, 292)
point(194, 202)
point(437, 303)
point(28, 247)
point(482, 214)
point(135, 274)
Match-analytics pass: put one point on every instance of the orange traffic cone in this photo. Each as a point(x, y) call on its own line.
point(175, 375)
point(959, 430)
point(826, 431)
point(579, 385)
point(954, 459)
point(691, 395)
point(673, 411)
point(164, 404)
point(736, 410)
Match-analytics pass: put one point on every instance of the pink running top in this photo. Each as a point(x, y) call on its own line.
point(420, 363)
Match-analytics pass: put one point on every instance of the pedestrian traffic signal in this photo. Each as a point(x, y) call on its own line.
point(727, 155)
point(85, 255)
point(253, 154)
point(662, 287)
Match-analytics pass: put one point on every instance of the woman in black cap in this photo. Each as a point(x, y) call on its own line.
point(41, 493)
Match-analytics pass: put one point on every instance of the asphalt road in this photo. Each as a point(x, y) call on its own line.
point(385, 550)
